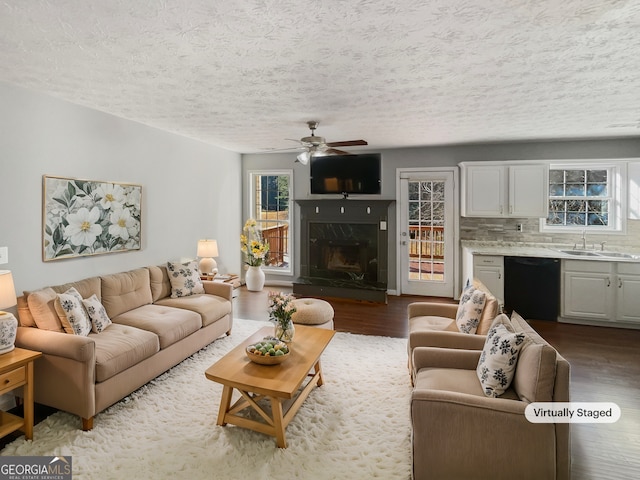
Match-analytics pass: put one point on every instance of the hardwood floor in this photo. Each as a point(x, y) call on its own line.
point(605, 367)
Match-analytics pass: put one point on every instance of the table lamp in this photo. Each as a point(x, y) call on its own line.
point(8, 323)
point(207, 249)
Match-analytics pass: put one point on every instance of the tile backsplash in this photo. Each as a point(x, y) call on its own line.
point(505, 230)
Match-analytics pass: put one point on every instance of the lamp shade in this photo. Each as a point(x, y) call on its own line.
point(7, 290)
point(207, 248)
point(303, 158)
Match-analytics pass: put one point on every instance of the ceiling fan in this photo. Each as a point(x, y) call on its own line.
point(317, 146)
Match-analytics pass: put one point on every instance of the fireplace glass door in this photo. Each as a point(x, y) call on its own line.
point(343, 251)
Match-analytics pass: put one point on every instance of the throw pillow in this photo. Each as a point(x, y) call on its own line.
point(72, 314)
point(470, 309)
point(499, 357)
point(491, 308)
point(97, 313)
point(42, 307)
point(185, 279)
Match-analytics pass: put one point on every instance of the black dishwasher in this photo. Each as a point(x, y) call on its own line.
point(532, 287)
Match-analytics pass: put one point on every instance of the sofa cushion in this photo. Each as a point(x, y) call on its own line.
point(536, 372)
point(71, 312)
point(499, 357)
point(519, 324)
point(210, 307)
point(42, 308)
point(25, 319)
point(491, 308)
point(119, 347)
point(429, 323)
point(160, 283)
point(454, 380)
point(168, 324)
point(97, 314)
point(185, 279)
point(470, 309)
point(85, 287)
point(125, 291)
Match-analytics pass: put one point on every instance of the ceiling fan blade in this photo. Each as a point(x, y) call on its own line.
point(290, 149)
point(349, 143)
point(333, 151)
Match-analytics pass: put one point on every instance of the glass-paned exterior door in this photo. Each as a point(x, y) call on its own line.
point(427, 233)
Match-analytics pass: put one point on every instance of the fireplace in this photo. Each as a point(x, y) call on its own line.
point(343, 249)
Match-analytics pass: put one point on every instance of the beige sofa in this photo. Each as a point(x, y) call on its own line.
point(460, 433)
point(151, 332)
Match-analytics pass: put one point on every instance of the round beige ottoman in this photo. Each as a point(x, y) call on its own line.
point(313, 312)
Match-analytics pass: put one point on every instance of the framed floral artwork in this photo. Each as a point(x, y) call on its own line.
point(86, 217)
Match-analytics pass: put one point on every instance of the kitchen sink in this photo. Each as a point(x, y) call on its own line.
point(616, 255)
point(580, 253)
point(588, 253)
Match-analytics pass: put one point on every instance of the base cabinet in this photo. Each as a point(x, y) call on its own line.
point(489, 269)
point(601, 292)
point(628, 287)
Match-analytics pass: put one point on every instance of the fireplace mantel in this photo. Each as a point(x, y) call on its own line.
point(339, 227)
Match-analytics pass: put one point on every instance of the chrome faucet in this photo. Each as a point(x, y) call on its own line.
point(584, 239)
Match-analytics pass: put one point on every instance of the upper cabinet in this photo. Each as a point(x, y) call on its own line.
point(504, 189)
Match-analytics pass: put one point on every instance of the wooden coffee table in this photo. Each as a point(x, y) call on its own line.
point(282, 385)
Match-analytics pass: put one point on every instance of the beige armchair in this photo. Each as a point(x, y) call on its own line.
point(433, 324)
point(459, 433)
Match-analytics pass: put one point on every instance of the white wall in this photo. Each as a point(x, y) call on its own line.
point(191, 190)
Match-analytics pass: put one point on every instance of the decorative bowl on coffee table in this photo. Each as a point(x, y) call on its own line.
point(269, 351)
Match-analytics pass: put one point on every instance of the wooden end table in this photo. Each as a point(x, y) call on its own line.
point(279, 384)
point(16, 370)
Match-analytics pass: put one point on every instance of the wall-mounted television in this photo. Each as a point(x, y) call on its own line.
point(346, 174)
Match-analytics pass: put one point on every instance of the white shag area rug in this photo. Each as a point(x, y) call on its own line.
point(355, 426)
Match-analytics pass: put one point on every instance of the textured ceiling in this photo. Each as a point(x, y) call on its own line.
point(247, 74)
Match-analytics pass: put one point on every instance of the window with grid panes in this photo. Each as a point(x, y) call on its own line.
point(270, 202)
point(585, 197)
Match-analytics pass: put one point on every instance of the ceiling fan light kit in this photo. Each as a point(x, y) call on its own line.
point(315, 146)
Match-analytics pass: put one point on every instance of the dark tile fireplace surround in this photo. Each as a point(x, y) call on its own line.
point(344, 249)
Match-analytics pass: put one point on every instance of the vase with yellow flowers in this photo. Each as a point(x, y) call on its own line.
point(255, 249)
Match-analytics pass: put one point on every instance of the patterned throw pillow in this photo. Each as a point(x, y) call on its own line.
point(470, 309)
point(185, 279)
point(97, 313)
point(72, 314)
point(499, 357)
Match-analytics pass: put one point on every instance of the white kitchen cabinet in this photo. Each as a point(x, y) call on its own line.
point(504, 189)
point(587, 290)
point(489, 269)
point(628, 297)
point(601, 292)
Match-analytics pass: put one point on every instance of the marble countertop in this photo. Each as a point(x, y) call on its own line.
point(549, 250)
